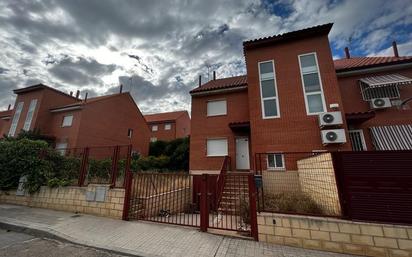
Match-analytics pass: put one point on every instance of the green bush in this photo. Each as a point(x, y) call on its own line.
point(293, 202)
point(22, 157)
point(153, 163)
point(177, 150)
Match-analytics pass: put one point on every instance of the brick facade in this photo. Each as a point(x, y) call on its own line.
point(96, 121)
point(179, 123)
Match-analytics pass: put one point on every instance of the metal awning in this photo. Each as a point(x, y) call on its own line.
point(386, 80)
point(398, 137)
point(243, 126)
point(359, 117)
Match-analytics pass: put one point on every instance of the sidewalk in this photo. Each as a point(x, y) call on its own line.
point(138, 238)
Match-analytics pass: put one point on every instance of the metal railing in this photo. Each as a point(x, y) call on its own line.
point(221, 179)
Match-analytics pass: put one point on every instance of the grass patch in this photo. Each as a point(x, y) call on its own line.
point(295, 202)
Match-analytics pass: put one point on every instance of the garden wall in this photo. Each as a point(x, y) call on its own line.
point(335, 235)
point(95, 199)
point(276, 182)
point(317, 180)
point(175, 201)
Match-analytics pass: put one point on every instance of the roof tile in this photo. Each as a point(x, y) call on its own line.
point(224, 83)
point(354, 63)
point(166, 116)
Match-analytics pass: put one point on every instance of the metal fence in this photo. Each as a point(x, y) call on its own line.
point(298, 183)
point(94, 165)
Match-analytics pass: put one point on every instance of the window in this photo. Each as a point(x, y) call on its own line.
point(390, 91)
point(16, 118)
point(155, 128)
point(153, 139)
point(129, 133)
point(67, 121)
point(216, 147)
point(168, 126)
point(29, 116)
point(357, 139)
point(218, 107)
point(61, 148)
point(268, 90)
point(276, 161)
point(312, 85)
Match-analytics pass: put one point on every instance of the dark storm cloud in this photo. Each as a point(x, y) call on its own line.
point(6, 91)
point(3, 70)
point(79, 71)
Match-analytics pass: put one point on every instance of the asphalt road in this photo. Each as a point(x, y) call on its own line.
point(14, 244)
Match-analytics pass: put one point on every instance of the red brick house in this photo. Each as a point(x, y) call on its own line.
point(73, 122)
point(294, 98)
point(168, 126)
point(5, 117)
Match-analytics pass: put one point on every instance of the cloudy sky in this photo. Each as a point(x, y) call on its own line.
point(157, 49)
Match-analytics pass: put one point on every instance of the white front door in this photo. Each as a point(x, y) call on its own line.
point(242, 153)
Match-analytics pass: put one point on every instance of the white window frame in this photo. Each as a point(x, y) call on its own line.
point(129, 133)
point(215, 139)
point(168, 126)
point(155, 128)
point(362, 137)
point(305, 95)
point(269, 98)
point(60, 149)
point(283, 168)
point(216, 114)
point(71, 120)
point(16, 118)
point(30, 114)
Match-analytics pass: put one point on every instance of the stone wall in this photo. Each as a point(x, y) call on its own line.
point(276, 182)
point(175, 201)
point(335, 235)
point(317, 180)
point(95, 199)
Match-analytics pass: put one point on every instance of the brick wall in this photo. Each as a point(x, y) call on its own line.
point(276, 182)
point(335, 235)
point(317, 180)
point(71, 199)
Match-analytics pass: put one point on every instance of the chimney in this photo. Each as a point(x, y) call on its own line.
point(214, 75)
point(8, 108)
point(200, 80)
point(121, 88)
point(71, 93)
point(85, 97)
point(395, 49)
point(347, 54)
point(77, 94)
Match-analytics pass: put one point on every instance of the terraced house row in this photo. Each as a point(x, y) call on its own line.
point(72, 122)
point(296, 98)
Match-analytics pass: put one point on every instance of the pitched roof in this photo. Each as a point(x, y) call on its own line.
point(5, 113)
point(224, 83)
point(38, 87)
point(289, 36)
point(166, 116)
point(355, 63)
point(88, 101)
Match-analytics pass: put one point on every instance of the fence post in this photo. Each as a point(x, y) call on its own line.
point(204, 212)
point(252, 208)
point(338, 169)
point(115, 168)
point(127, 185)
point(83, 166)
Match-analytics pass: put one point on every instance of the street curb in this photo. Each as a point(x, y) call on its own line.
point(46, 234)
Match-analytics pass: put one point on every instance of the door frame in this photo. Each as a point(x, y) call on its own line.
point(248, 145)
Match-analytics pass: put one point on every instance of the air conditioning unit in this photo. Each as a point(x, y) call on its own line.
point(379, 103)
point(333, 136)
point(330, 118)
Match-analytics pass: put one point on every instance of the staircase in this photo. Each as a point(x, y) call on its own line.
point(235, 189)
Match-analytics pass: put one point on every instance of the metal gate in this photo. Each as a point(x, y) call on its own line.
point(193, 200)
point(375, 185)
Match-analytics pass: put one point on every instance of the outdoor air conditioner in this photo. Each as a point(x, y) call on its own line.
point(333, 136)
point(379, 103)
point(330, 118)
